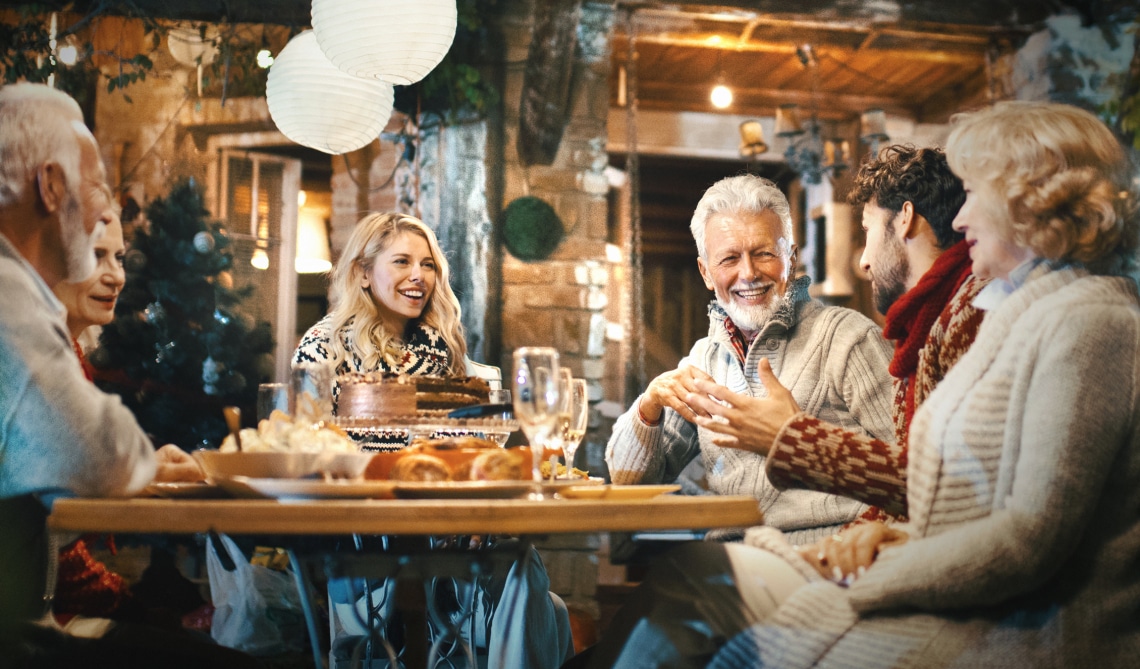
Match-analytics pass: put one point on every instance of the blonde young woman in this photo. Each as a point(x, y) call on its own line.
point(394, 311)
point(393, 307)
point(1023, 480)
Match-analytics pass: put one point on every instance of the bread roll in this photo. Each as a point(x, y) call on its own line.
point(497, 465)
point(420, 467)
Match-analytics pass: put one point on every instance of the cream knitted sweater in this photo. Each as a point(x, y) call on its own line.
point(834, 361)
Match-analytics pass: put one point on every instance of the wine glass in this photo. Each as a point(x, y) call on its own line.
point(536, 401)
point(577, 406)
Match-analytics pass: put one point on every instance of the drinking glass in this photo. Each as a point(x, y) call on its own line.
point(565, 385)
point(577, 406)
point(498, 396)
point(270, 397)
point(310, 395)
point(536, 402)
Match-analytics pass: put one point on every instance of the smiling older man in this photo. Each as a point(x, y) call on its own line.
point(834, 360)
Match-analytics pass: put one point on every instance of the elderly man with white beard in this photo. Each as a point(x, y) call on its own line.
point(833, 360)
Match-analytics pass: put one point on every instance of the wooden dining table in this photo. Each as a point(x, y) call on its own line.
point(402, 516)
point(282, 519)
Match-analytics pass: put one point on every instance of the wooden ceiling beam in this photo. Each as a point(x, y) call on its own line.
point(842, 52)
point(831, 106)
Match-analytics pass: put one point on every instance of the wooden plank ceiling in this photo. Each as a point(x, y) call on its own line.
point(923, 72)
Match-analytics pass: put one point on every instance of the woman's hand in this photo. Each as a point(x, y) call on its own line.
point(747, 423)
point(175, 464)
point(843, 557)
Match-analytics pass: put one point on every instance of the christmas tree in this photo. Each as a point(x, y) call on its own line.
point(180, 348)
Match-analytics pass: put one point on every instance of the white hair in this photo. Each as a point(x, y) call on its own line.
point(746, 192)
point(37, 124)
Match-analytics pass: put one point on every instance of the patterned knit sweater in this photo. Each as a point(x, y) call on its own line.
point(813, 454)
point(833, 360)
point(1024, 485)
point(424, 353)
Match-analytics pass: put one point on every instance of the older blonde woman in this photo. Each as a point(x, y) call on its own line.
point(1024, 471)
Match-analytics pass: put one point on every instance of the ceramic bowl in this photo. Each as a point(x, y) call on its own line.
point(270, 465)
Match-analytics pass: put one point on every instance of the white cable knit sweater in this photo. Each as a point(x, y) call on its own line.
point(834, 361)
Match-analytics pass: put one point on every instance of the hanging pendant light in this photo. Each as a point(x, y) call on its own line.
point(752, 141)
point(788, 121)
point(318, 106)
point(398, 41)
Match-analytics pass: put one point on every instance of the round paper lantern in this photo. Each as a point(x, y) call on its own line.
point(398, 41)
point(191, 46)
point(318, 106)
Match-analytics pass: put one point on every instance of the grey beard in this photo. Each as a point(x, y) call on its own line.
point(755, 318)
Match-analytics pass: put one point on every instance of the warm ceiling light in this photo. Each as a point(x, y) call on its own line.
point(721, 96)
point(264, 59)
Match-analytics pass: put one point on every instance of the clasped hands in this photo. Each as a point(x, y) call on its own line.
point(843, 557)
point(741, 421)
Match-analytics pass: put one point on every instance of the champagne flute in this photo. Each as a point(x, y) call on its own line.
point(536, 401)
point(577, 404)
point(565, 386)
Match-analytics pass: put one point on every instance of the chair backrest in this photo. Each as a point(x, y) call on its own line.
point(489, 373)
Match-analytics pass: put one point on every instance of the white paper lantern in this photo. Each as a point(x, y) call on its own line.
point(191, 46)
point(398, 41)
point(318, 106)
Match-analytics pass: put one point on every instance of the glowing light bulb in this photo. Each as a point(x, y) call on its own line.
point(68, 54)
point(264, 59)
point(260, 259)
point(721, 96)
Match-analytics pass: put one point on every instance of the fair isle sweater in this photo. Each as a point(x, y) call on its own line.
point(812, 454)
point(833, 360)
point(1024, 496)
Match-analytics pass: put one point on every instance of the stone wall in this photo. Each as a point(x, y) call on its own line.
point(561, 301)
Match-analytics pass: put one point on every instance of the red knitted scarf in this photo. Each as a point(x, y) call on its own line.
point(910, 318)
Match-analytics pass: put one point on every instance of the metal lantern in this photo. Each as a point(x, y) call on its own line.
point(398, 41)
point(318, 106)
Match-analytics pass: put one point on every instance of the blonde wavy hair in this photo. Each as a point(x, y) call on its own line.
point(355, 310)
point(1064, 178)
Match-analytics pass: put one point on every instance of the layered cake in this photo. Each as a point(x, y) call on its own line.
point(440, 394)
point(375, 395)
point(387, 395)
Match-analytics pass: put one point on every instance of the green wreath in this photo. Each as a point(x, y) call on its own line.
point(531, 228)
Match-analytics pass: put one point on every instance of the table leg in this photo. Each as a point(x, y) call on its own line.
point(303, 589)
point(412, 604)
